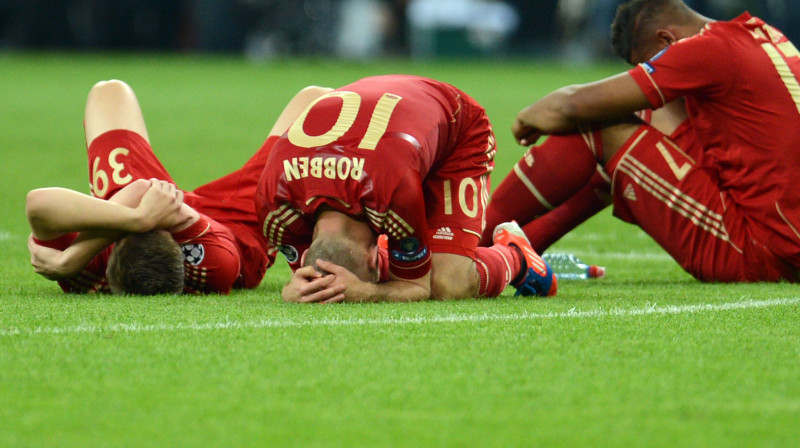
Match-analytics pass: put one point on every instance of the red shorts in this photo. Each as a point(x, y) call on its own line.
point(117, 158)
point(659, 184)
point(457, 189)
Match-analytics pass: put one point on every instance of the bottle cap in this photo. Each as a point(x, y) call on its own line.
point(595, 271)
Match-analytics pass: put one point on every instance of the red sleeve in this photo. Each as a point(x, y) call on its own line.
point(406, 227)
point(211, 257)
point(698, 65)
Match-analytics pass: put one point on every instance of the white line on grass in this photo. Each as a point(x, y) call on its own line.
point(598, 257)
point(452, 318)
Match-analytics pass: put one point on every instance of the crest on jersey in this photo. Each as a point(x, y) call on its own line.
point(193, 253)
point(409, 245)
point(410, 251)
point(290, 252)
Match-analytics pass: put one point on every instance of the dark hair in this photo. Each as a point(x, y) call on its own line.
point(636, 19)
point(340, 251)
point(146, 264)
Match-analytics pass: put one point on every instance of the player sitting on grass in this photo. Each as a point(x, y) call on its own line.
point(727, 210)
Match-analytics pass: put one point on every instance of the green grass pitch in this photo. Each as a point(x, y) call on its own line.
point(646, 357)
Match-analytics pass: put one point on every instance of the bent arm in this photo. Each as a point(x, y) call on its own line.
point(53, 212)
point(307, 285)
point(569, 107)
point(395, 290)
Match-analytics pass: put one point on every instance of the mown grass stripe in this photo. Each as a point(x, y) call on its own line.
point(649, 309)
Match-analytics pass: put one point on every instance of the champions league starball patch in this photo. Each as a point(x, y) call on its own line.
point(290, 252)
point(410, 251)
point(193, 253)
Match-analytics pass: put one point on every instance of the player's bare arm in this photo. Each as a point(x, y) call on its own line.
point(356, 290)
point(53, 212)
point(569, 107)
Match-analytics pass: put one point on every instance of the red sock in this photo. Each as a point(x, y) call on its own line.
point(548, 175)
point(497, 266)
point(587, 202)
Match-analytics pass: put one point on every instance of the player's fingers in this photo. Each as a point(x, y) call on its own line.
point(159, 184)
point(331, 267)
point(308, 273)
point(319, 284)
point(322, 295)
point(525, 135)
point(179, 196)
point(336, 299)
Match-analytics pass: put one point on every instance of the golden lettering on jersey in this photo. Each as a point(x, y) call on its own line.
point(328, 167)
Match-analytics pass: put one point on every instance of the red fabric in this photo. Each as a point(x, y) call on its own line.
point(662, 188)
point(497, 266)
point(230, 200)
point(545, 177)
point(542, 232)
point(737, 78)
point(119, 157)
point(425, 134)
point(217, 267)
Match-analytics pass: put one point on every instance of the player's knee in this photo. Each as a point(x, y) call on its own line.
point(614, 137)
point(311, 93)
point(449, 288)
point(457, 281)
point(109, 89)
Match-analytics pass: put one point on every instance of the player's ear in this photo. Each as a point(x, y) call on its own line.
point(666, 37)
point(372, 257)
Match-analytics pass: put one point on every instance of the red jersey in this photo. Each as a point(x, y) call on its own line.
point(230, 200)
point(211, 263)
point(740, 81)
point(364, 150)
point(212, 258)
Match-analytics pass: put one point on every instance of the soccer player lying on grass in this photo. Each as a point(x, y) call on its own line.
point(403, 156)
point(733, 212)
point(213, 244)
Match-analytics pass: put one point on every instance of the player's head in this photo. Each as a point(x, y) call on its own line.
point(345, 241)
point(642, 28)
point(146, 264)
point(343, 252)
